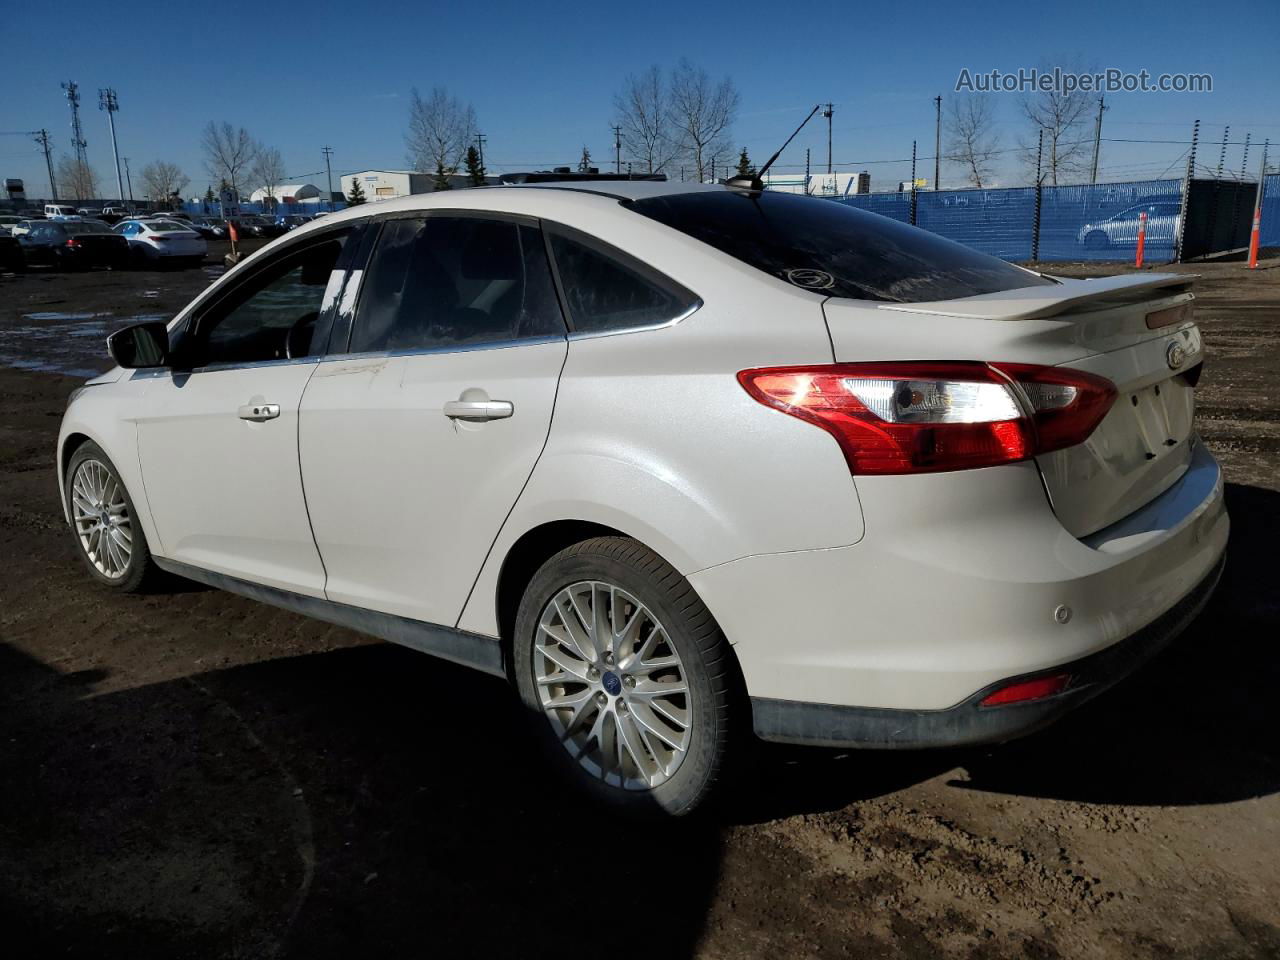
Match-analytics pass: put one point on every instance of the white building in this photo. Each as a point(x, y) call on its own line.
point(289, 194)
point(820, 184)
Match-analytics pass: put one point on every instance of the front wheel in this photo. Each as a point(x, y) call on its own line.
point(629, 675)
point(109, 539)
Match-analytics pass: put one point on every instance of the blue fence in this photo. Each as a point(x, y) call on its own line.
point(1270, 233)
point(1086, 222)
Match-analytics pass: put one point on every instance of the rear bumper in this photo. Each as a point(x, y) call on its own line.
point(969, 723)
point(962, 582)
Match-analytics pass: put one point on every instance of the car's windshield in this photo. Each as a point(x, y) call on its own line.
point(834, 249)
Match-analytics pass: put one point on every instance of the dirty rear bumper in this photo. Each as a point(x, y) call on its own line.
point(969, 723)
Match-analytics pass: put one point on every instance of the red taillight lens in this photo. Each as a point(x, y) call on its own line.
point(1026, 690)
point(1067, 404)
point(922, 417)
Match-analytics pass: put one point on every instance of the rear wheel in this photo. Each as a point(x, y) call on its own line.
point(109, 540)
point(629, 675)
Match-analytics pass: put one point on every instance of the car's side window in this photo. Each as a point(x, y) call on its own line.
point(436, 283)
point(271, 315)
point(606, 290)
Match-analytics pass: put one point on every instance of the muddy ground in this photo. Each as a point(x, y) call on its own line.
point(190, 774)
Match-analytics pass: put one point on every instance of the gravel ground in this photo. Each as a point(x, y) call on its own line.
point(189, 774)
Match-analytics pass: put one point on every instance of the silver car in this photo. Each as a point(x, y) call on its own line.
point(1164, 217)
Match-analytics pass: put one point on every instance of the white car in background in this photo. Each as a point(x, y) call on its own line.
point(677, 461)
point(156, 241)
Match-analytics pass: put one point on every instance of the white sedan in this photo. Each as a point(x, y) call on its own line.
point(162, 241)
point(677, 461)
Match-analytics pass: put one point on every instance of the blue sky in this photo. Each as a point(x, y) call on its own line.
point(542, 75)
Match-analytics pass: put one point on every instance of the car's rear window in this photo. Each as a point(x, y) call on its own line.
point(834, 249)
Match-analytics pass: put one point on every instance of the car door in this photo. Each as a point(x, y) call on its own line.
point(417, 437)
point(218, 442)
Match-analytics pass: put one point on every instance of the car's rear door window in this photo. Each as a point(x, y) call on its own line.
point(834, 249)
point(450, 282)
point(606, 290)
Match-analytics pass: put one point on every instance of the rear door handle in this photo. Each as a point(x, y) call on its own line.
point(258, 412)
point(478, 410)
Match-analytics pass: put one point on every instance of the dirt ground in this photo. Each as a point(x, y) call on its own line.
point(190, 774)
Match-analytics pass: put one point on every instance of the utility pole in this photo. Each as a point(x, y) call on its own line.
point(328, 169)
point(1097, 138)
point(42, 137)
point(129, 180)
point(108, 101)
point(937, 142)
point(828, 114)
point(78, 143)
point(617, 148)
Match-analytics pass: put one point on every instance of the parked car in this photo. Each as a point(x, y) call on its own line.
point(114, 213)
point(251, 225)
point(811, 472)
point(11, 258)
point(156, 241)
point(1164, 217)
point(208, 227)
point(73, 245)
point(61, 211)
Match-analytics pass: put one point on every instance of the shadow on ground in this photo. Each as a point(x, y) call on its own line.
point(370, 801)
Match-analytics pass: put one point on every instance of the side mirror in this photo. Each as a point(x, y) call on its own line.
point(139, 346)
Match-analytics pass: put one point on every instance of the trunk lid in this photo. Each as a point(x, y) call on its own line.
point(1136, 331)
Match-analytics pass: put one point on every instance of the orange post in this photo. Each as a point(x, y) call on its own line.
point(1142, 238)
point(1253, 239)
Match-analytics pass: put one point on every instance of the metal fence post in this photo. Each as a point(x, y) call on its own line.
point(1186, 194)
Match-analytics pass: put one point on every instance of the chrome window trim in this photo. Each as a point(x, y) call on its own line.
point(459, 348)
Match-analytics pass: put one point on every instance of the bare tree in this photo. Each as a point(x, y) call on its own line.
point(702, 114)
point(971, 139)
point(162, 180)
point(268, 171)
point(228, 153)
point(441, 128)
point(77, 180)
point(1061, 116)
point(643, 109)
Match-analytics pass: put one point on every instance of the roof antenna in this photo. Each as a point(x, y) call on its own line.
point(755, 181)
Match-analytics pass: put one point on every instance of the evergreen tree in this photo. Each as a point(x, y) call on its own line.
point(442, 178)
point(475, 169)
point(745, 169)
point(355, 196)
point(584, 165)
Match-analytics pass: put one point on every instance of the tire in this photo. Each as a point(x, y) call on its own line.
point(1096, 240)
point(104, 564)
point(611, 697)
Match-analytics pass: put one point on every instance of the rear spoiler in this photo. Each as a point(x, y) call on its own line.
point(1065, 296)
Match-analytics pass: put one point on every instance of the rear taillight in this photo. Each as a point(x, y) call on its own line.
point(923, 417)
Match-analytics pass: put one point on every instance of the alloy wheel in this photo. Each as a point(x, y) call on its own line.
point(100, 514)
point(613, 686)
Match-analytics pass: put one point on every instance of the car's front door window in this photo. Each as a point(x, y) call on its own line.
point(273, 315)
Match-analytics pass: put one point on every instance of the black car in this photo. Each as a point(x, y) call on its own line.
point(11, 258)
point(74, 245)
point(252, 225)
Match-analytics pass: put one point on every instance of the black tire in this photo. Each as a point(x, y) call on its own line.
point(696, 637)
point(141, 570)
